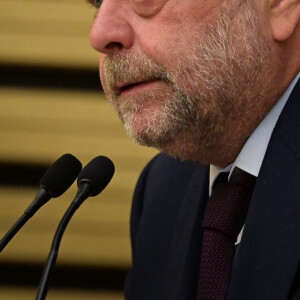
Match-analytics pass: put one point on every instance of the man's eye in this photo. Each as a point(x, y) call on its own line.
point(97, 3)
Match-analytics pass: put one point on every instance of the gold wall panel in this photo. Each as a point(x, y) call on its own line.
point(29, 294)
point(47, 32)
point(37, 125)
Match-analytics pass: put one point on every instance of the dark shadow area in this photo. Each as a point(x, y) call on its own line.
point(21, 174)
point(13, 75)
point(64, 277)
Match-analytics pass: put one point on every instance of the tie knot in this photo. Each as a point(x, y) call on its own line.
point(228, 205)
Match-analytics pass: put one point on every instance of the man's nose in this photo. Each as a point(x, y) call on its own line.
point(111, 33)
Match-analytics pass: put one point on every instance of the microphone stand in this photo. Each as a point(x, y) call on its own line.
point(82, 194)
point(90, 182)
point(41, 198)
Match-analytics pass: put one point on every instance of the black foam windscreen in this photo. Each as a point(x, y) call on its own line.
point(97, 173)
point(60, 176)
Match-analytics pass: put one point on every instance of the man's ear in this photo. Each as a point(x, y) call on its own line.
point(285, 17)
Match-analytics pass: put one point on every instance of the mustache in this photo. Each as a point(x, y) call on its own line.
point(123, 68)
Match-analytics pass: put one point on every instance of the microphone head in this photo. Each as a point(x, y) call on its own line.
point(60, 176)
point(98, 173)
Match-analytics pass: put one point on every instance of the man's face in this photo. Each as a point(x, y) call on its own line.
point(179, 71)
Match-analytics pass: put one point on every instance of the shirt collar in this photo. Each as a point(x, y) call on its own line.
point(252, 154)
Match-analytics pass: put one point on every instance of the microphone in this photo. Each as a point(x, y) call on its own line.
point(56, 180)
point(91, 181)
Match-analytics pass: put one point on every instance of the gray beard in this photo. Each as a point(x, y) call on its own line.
point(225, 66)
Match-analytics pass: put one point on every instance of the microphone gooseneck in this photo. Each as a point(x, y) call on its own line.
point(91, 181)
point(56, 180)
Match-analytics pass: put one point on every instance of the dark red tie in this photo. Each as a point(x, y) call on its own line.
point(224, 217)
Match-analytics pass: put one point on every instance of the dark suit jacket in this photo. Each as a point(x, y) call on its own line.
point(167, 212)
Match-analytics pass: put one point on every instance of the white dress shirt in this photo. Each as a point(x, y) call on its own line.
point(252, 154)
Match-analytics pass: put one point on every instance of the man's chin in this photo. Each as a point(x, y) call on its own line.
point(150, 135)
point(149, 138)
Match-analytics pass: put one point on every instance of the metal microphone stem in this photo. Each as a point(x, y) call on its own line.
point(82, 194)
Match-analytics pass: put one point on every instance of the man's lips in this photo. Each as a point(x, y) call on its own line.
point(120, 88)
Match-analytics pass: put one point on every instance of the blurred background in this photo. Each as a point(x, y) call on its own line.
point(51, 103)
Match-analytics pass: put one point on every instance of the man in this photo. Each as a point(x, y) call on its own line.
point(213, 82)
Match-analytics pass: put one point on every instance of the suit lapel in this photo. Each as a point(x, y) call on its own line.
point(269, 254)
point(183, 264)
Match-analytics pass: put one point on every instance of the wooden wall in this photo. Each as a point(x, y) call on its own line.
point(51, 104)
